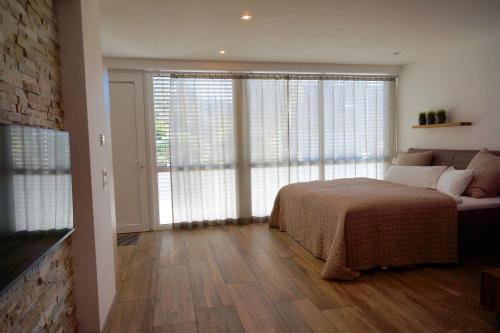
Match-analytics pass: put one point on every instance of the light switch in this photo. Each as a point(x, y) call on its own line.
point(104, 179)
point(102, 139)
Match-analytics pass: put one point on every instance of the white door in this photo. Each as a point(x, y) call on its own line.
point(129, 151)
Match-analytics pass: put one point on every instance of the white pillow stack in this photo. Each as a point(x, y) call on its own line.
point(454, 182)
point(418, 176)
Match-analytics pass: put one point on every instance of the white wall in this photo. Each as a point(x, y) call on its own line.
point(466, 82)
point(85, 119)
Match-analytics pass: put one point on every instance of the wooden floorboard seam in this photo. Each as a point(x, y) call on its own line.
point(191, 284)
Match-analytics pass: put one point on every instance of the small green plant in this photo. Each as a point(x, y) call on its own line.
point(431, 117)
point(422, 118)
point(441, 116)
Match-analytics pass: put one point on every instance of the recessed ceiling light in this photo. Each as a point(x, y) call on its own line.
point(222, 52)
point(246, 16)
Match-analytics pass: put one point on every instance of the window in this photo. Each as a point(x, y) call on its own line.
point(161, 105)
point(284, 137)
point(295, 129)
point(355, 135)
point(196, 137)
point(161, 102)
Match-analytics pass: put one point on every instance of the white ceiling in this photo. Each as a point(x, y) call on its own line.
point(305, 31)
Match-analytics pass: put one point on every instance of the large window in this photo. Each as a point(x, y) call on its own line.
point(356, 128)
point(195, 150)
point(212, 130)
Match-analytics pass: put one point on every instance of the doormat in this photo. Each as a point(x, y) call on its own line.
point(127, 239)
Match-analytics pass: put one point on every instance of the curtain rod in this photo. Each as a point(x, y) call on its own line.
point(279, 76)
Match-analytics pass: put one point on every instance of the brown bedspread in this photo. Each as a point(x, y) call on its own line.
point(360, 223)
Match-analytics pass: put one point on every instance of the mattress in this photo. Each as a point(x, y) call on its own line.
point(469, 203)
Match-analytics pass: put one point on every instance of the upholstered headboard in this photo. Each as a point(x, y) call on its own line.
point(458, 158)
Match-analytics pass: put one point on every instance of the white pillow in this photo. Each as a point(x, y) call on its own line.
point(419, 176)
point(454, 182)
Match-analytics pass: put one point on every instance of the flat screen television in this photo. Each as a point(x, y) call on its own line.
point(36, 210)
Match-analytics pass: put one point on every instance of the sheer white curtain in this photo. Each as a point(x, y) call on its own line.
point(234, 141)
point(266, 104)
point(202, 151)
point(303, 130)
point(284, 126)
point(358, 127)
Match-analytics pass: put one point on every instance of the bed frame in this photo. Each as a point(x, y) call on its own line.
point(479, 230)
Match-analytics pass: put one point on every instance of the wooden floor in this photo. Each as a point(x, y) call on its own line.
point(255, 279)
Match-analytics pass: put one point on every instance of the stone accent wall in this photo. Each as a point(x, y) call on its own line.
point(30, 94)
point(42, 300)
point(30, 85)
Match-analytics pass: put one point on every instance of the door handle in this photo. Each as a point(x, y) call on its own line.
point(140, 164)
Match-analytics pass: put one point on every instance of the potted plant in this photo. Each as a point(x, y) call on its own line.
point(431, 117)
point(441, 116)
point(422, 118)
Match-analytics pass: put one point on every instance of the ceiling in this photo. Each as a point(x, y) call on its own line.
point(304, 31)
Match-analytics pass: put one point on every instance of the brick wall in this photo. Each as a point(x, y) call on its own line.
point(30, 94)
point(30, 85)
point(42, 300)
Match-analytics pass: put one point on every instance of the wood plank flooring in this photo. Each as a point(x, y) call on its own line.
point(255, 279)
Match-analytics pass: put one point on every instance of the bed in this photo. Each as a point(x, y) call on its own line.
point(478, 219)
point(360, 223)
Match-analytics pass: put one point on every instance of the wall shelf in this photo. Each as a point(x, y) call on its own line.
point(454, 124)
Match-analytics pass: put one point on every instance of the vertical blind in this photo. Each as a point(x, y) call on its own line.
point(294, 129)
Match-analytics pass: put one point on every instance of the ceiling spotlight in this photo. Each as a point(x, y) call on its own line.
point(246, 16)
point(222, 52)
